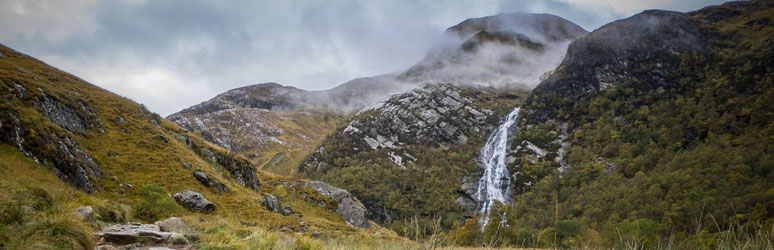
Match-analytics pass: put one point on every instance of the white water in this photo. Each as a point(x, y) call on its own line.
point(495, 184)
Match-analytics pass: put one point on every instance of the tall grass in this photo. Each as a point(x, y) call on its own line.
point(36, 209)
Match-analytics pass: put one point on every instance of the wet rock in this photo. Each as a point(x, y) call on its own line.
point(194, 201)
point(270, 202)
point(86, 213)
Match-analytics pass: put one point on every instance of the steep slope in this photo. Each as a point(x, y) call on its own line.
point(663, 119)
point(408, 154)
point(277, 126)
point(108, 147)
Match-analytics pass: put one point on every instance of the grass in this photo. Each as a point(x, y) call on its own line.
point(36, 209)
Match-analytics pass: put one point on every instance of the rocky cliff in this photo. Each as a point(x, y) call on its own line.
point(423, 139)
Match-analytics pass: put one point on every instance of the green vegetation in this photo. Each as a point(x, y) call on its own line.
point(155, 205)
point(422, 192)
point(36, 209)
point(684, 166)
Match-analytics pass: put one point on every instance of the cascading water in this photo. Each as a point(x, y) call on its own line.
point(495, 184)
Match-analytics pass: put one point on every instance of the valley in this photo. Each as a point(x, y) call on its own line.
point(522, 131)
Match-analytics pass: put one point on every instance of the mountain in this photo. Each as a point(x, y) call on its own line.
point(59, 134)
point(509, 50)
point(660, 122)
point(407, 154)
point(503, 50)
point(418, 151)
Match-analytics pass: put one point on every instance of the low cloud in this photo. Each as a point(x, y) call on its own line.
point(172, 54)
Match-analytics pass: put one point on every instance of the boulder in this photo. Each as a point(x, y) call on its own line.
point(86, 213)
point(174, 225)
point(194, 201)
point(202, 178)
point(124, 234)
point(353, 212)
point(270, 202)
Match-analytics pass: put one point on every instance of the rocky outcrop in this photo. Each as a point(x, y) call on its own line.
point(132, 235)
point(270, 202)
point(209, 181)
point(352, 211)
point(194, 201)
point(432, 115)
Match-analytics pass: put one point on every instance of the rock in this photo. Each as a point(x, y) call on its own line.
point(218, 186)
point(86, 213)
point(124, 234)
point(174, 225)
point(270, 202)
point(286, 210)
point(202, 178)
point(194, 201)
point(187, 165)
point(2, 56)
point(177, 239)
point(353, 212)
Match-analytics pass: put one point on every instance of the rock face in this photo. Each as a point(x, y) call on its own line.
point(399, 134)
point(353, 212)
point(432, 115)
point(194, 201)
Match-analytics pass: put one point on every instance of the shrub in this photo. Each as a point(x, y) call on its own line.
point(154, 205)
point(113, 213)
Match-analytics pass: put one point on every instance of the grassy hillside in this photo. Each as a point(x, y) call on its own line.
point(669, 136)
point(56, 125)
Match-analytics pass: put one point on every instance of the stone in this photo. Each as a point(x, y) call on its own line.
point(174, 225)
point(86, 213)
point(286, 210)
point(270, 202)
point(187, 165)
point(202, 178)
point(177, 239)
point(124, 234)
point(353, 212)
point(194, 201)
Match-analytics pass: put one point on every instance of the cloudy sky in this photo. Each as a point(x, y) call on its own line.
point(171, 54)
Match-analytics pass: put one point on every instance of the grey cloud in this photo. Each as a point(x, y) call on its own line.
point(193, 50)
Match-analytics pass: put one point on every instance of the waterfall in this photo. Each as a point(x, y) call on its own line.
point(495, 184)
